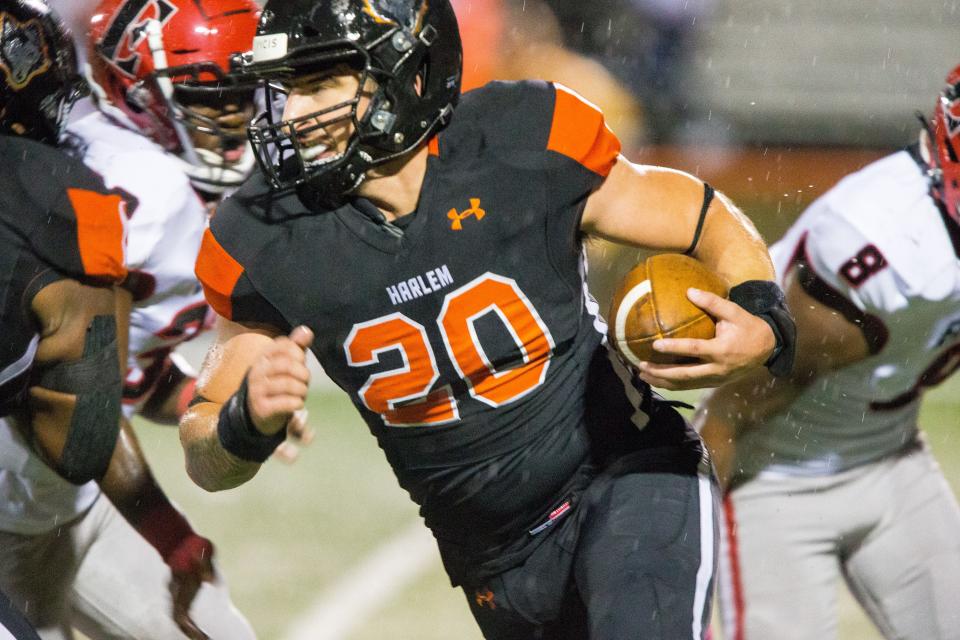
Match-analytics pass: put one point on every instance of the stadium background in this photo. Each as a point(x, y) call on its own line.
point(769, 100)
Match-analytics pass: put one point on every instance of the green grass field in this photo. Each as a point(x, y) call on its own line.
point(286, 538)
point(290, 533)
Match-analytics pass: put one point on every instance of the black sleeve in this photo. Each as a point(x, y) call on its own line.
point(70, 219)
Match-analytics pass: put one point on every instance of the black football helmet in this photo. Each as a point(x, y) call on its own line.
point(39, 81)
point(393, 42)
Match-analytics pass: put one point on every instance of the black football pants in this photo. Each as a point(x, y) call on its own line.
point(635, 560)
point(12, 622)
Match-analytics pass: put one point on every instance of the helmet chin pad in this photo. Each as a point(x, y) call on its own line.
point(214, 175)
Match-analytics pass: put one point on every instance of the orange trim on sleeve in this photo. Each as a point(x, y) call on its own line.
point(218, 272)
point(100, 232)
point(433, 145)
point(578, 131)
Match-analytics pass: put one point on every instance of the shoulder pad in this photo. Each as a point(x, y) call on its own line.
point(243, 225)
point(501, 115)
point(537, 116)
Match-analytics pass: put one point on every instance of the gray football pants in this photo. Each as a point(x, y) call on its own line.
point(890, 530)
point(98, 576)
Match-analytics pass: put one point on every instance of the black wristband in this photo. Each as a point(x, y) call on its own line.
point(239, 436)
point(765, 300)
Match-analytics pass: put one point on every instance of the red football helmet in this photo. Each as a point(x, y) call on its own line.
point(944, 146)
point(159, 66)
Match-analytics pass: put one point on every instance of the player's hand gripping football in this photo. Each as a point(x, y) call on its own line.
point(742, 342)
point(277, 386)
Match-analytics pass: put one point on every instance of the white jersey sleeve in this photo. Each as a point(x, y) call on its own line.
point(876, 249)
point(164, 235)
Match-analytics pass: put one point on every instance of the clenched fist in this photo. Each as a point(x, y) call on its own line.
point(277, 382)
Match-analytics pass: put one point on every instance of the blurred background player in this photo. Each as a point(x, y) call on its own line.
point(61, 251)
point(171, 131)
point(507, 40)
point(103, 578)
point(828, 475)
point(435, 255)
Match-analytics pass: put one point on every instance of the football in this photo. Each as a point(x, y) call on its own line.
point(651, 302)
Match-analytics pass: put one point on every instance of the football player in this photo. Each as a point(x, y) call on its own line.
point(61, 251)
point(67, 554)
point(828, 475)
point(171, 131)
point(430, 256)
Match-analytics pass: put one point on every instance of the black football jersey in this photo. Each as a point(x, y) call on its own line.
point(463, 333)
point(57, 220)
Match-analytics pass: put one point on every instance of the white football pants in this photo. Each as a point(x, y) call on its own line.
point(98, 576)
point(889, 529)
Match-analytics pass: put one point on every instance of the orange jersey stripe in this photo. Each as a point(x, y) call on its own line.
point(433, 144)
point(578, 131)
point(100, 233)
point(218, 272)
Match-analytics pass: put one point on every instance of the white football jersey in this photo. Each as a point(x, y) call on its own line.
point(164, 234)
point(878, 244)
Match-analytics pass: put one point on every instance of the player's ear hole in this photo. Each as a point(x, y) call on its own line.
point(420, 80)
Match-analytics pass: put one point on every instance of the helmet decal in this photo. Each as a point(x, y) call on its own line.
point(23, 50)
point(397, 12)
point(39, 81)
point(951, 117)
point(941, 150)
point(120, 42)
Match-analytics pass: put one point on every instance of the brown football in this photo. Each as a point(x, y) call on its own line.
point(651, 302)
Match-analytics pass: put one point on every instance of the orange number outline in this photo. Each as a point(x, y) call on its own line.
point(418, 405)
point(486, 384)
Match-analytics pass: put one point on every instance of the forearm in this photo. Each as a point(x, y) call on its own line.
point(731, 246)
point(724, 415)
point(210, 466)
point(131, 487)
point(128, 483)
point(661, 209)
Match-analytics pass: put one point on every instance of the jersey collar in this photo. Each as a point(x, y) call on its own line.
point(368, 223)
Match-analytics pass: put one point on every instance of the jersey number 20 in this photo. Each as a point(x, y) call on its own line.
point(405, 397)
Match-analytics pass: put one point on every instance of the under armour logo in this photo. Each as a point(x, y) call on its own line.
point(485, 599)
point(458, 218)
